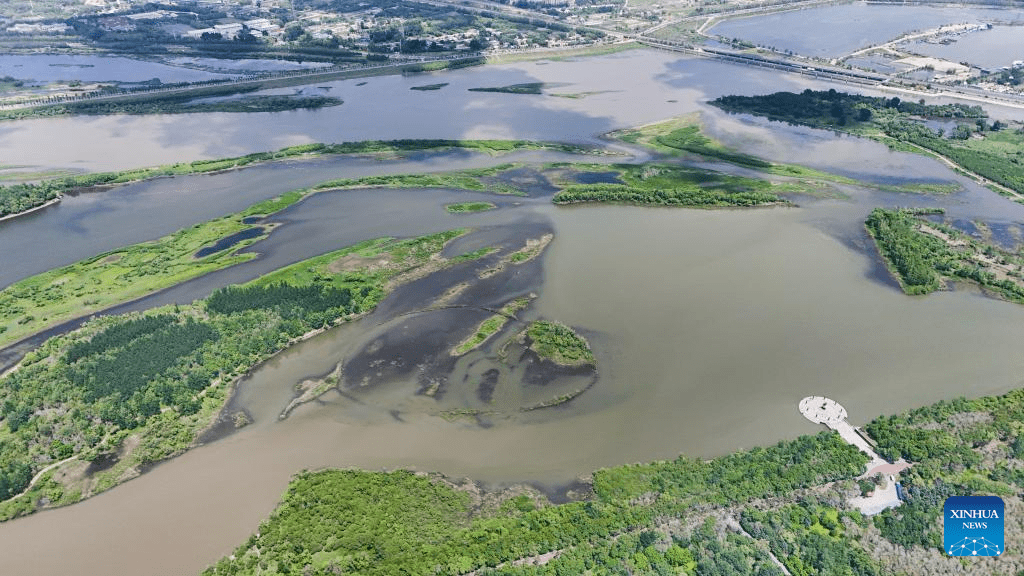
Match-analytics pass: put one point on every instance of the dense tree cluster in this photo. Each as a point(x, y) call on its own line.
point(921, 259)
point(913, 254)
point(124, 371)
point(959, 447)
point(20, 197)
point(688, 196)
point(117, 335)
point(289, 301)
point(828, 108)
point(393, 523)
point(150, 374)
point(559, 343)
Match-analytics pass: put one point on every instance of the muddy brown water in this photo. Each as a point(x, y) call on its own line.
point(708, 327)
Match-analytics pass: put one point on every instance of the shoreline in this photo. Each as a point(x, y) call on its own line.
point(32, 209)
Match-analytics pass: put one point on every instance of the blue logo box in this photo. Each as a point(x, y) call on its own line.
point(973, 526)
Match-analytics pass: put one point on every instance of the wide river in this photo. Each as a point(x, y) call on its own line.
point(708, 326)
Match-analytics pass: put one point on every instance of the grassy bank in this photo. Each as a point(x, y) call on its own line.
point(924, 255)
point(491, 326)
point(565, 54)
point(135, 389)
point(22, 197)
point(31, 305)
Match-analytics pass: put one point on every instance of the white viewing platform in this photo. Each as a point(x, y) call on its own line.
point(821, 410)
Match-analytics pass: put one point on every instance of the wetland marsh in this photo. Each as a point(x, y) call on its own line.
point(706, 325)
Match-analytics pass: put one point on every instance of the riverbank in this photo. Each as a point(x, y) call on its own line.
point(779, 507)
point(31, 210)
point(926, 254)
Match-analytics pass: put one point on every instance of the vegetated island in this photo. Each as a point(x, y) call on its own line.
point(665, 185)
point(558, 343)
point(125, 391)
point(758, 511)
point(491, 326)
point(992, 153)
point(19, 198)
point(209, 100)
point(466, 207)
point(49, 298)
point(428, 87)
point(924, 254)
point(525, 88)
point(686, 136)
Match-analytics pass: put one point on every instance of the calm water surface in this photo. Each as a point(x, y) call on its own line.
point(50, 67)
point(995, 48)
point(832, 31)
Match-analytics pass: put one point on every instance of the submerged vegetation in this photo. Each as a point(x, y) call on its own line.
point(924, 254)
point(159, 377)
point(558, 343)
